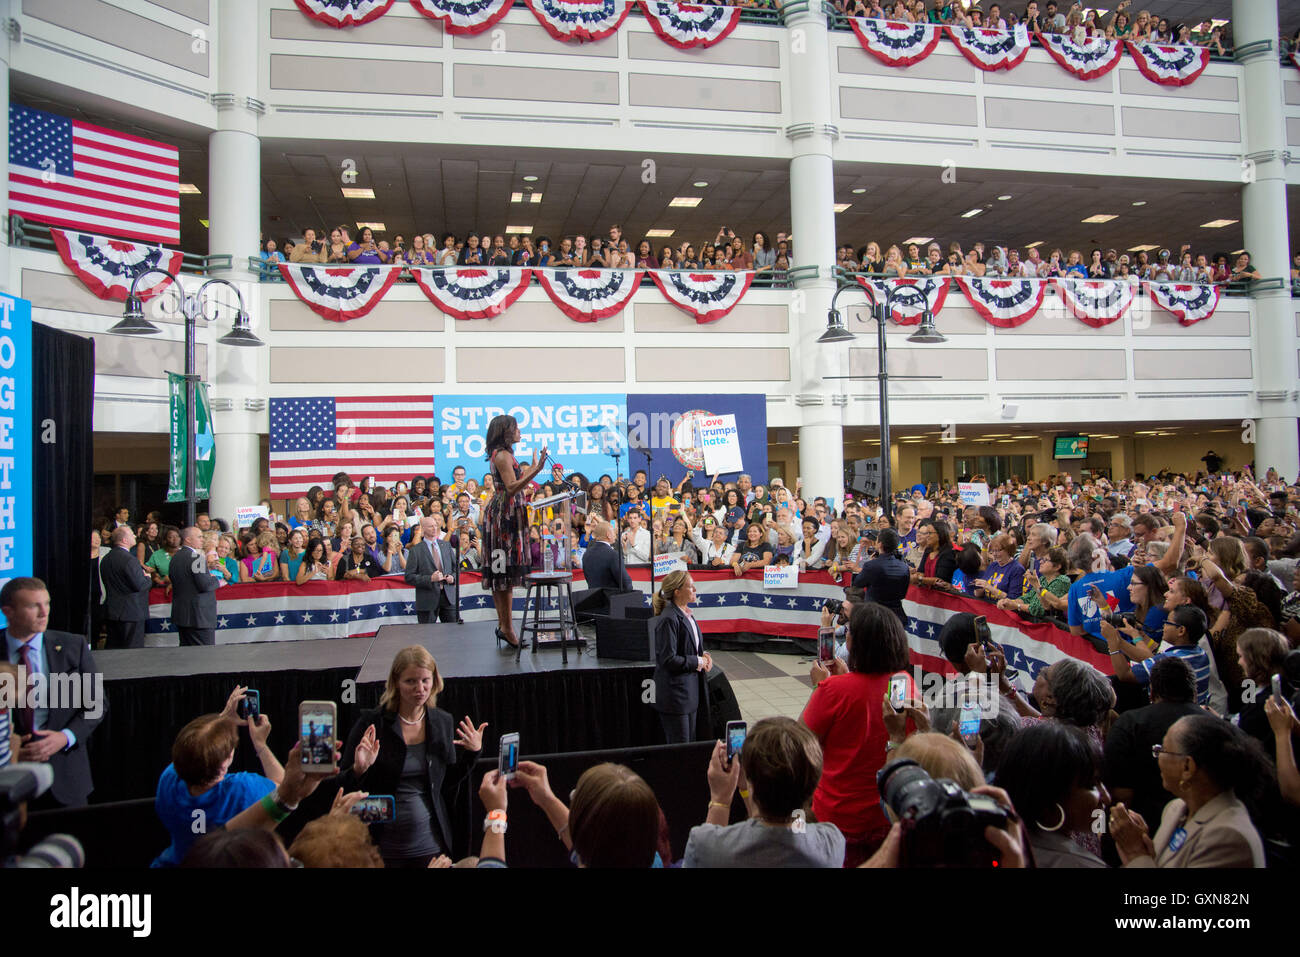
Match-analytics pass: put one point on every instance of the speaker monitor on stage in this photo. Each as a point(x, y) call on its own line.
point(625, 639)
point(628, 604)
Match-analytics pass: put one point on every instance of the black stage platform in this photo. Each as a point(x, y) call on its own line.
point(588, 704)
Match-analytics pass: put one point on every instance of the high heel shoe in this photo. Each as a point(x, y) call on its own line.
point(501, 638)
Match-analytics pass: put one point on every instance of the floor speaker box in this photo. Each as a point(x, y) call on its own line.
point(723, 706)
point(626, 639)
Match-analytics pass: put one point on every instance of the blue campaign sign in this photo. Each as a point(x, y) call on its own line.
point(579, 430)
point(16, 413)
point(669, 426)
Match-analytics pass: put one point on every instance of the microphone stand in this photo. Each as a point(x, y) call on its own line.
point(455, 544)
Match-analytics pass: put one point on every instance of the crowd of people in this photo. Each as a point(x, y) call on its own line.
point(1183, 757)
point(1048, 16)
point(726, 252)
point(1003, 261)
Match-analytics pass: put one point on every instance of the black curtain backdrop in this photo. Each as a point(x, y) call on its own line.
point(63, 370)
point(553, 712)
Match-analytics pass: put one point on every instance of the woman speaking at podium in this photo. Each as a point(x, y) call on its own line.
point(506, 553)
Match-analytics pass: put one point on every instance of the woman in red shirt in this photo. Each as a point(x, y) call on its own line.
point(845, 714)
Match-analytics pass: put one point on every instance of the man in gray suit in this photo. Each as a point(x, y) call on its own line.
point(431, 568)
point(126, 591)
point(56, 724)
point(194, 599)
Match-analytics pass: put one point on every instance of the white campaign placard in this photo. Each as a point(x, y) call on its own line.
point(245, 515)
point(720, 438)
point(780, 576)
point(974, 493)
point(669, 562)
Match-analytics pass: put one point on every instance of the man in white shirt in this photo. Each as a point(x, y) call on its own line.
point(714, 551)
point(636, 540)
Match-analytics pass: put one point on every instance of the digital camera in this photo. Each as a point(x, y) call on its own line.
point(943, 825)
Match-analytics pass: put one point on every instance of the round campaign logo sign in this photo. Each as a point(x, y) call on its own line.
point(685, 439)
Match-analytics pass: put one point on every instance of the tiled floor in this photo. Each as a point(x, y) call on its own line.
point(767, 685)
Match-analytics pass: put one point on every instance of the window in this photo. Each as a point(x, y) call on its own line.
point(997, 468)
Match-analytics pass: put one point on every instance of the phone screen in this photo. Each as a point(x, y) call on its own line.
point(897, 691)
point(826, 646)
point(251, 706)
point(736, 731)
point(508, 755)
point(376, 809)
point(316, 721)
point(969, 728)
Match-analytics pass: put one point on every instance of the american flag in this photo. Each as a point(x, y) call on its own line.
point(389, 437)
point(68, 173)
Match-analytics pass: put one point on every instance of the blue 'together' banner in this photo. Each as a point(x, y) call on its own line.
point(583, 431)
point(16, 417)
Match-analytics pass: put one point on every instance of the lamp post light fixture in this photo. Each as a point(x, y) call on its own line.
point(836, 332)
point(133, 323)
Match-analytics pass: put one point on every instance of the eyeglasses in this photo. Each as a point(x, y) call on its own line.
point(1157, 750)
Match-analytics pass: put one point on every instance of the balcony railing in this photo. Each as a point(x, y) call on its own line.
point(25, 235)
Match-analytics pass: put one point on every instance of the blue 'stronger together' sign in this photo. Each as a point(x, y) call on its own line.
point(16, 413)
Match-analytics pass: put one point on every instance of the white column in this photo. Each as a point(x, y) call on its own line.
point(238, 375)
point(812, 221)
point(6, 284)
point(1264, 223)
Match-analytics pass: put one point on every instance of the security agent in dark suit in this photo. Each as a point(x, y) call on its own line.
point(431, 568)
point(601, 566)
point(58, 732)
point(126, 591)
point(194, 600)
point(680, 659)
point(886, 578)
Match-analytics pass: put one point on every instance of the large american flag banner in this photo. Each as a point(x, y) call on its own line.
point(69, 173)
point(389, 437)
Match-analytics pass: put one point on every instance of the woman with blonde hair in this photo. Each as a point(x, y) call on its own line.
point(405, 747)
point(680, 659)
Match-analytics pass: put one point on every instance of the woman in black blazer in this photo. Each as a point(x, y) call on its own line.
point(938, 558)
point(405, 748)
point(680, 659)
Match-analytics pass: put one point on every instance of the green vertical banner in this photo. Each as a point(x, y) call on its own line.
point(204, 440)
point(177, 456)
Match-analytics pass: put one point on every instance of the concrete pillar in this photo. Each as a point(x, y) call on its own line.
point(6, 283)
point(238, 375)
point(1264, 223)
point(812, 216)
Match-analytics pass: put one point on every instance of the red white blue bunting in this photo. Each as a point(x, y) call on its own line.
point(107, 267)
point(991, 49)
point(690, 25)
point(1094, 57)
point(472, 292)
point(1167, 64)
point(580, 21)
point(895, 43)
point(1190, 303)
point(586, 295)
point(464, 18)
point(1005, 303)
point(707, 296)
point(339, 293)
point(911, 296)
point(1097, 302)
point(344, 13)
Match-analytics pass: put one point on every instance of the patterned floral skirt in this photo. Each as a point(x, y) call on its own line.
point(506, 554)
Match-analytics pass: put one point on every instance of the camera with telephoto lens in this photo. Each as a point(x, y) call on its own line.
point(1119, 620)
point(833, 605)
point(943, 825)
